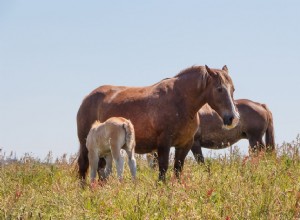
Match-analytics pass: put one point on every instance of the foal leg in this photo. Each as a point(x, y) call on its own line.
point(197, 152)
point(131, 163)
point(108, 167)
point(119, 160)
point(163, 161)
point(93, 160)
point(101, 168)
point(180, 154)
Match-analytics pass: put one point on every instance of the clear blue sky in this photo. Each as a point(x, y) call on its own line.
point(53, 53)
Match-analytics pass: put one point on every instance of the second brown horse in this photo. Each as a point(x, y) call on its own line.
point(256, 120)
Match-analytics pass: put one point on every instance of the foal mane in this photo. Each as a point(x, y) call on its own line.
point(96, 124)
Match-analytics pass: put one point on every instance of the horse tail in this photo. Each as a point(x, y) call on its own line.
point(269, 137)
point(129, 134)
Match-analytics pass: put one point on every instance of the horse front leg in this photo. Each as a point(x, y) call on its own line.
point(197, 152)
point(256, 143)
point(180, 154)
point(163, 161)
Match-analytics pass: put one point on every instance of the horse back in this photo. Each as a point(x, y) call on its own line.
point(254, 117)
point(152, 110)
point(106, 135)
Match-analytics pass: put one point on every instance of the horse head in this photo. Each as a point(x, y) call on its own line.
point(220, 97)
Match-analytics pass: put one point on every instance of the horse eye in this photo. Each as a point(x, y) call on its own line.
point(219, 89)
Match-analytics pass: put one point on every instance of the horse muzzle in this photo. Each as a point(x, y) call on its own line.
point(230, 121)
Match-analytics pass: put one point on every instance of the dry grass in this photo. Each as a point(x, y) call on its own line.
point(236, 187)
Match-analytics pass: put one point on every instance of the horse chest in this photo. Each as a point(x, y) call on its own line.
point(185, 133)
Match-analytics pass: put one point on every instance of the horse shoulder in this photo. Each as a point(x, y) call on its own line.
point(186, 131)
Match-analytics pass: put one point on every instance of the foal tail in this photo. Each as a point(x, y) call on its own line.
point(269, 138)
point(129, 134)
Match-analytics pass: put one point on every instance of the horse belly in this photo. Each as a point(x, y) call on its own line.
point(145, 145)
point(220, 141)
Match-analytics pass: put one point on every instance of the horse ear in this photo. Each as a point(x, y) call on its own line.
point(225, 69)
point(210, 72)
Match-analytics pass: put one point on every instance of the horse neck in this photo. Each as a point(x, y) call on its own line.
point(192, 92)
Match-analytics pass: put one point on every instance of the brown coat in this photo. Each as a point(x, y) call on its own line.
point(163, 114)
point(255, 121)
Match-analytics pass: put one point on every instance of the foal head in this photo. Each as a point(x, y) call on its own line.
point(220, 97)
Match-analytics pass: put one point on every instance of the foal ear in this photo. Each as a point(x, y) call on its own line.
point(225, 69)
point(210, 72)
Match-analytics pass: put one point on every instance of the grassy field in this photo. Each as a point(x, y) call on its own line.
point(232, 187)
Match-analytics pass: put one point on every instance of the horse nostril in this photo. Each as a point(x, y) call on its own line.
point(228, 120)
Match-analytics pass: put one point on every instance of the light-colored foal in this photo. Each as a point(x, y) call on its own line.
point(106, 140)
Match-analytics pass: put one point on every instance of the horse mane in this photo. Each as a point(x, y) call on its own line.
point(184, 72)
point(189, 70)
point(199, 71)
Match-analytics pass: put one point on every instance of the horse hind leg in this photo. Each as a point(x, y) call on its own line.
point(119, 160)
point(83, 162)
point(131, 163)
point(101, 168)
point(108, 167)
point(93, 160)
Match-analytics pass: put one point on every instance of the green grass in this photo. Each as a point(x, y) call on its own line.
point(235, 187)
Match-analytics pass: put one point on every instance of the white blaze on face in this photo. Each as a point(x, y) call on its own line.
point(236, 116)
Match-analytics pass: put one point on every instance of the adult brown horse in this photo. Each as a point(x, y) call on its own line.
point(255, 121)
point(163, 114)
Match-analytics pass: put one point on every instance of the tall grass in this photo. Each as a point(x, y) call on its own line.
point(232, 187)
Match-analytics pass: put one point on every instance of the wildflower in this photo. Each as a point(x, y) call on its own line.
point(209, 192)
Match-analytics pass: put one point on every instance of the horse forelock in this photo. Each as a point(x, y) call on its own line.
point(228, 79)
point(224, 79)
